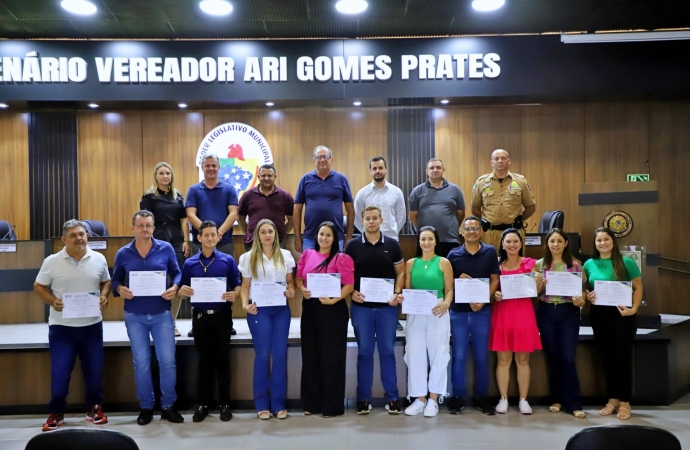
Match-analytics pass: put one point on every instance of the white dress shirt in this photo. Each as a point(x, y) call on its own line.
point(390, 200)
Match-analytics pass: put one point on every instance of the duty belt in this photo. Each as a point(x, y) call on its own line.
point(501, 227)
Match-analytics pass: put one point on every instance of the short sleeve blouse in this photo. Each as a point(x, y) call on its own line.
point(341, 263)
point(268, 272)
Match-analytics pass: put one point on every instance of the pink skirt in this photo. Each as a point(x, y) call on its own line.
point(514, 327)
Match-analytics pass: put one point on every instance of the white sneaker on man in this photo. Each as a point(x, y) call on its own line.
point(415, 408)
point(524, 406)
point(431, 408)
point(502, 406)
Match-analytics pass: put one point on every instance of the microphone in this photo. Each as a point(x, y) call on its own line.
point(646, 165)
point(12, 227)
point(533, 225)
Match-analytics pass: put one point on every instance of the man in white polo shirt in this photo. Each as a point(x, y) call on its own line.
point(76, 269)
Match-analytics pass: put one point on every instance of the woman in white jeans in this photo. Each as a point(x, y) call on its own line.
point(428, 336)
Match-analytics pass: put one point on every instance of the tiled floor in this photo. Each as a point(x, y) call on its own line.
point(379, 431)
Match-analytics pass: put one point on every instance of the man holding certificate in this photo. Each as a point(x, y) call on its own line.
point(379, 280)
point(211, 280)
point(614, 326)
point(267, 276)
point(475, 263)
point(75, 327)
point(146, 275)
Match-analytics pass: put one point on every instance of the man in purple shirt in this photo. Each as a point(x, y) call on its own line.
point(321, 194)
point(149, 315)
point(212, 320)
point(266, 201)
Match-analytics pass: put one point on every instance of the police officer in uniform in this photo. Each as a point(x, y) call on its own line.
point(502, 199)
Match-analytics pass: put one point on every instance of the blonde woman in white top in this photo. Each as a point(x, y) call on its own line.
point(269, 325)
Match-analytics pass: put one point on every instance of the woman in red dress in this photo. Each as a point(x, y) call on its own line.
point(513, 324)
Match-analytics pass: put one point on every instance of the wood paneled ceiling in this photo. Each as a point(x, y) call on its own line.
point(277, 19)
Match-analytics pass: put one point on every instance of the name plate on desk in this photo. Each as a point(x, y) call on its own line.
point(532, 240)
point(98, 245)
point(8, 248)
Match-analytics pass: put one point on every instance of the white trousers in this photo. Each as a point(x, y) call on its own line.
point(428, 343)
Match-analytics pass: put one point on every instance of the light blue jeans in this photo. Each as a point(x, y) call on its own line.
point(160, 326)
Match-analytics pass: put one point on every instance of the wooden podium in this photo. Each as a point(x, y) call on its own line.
point(640, 201)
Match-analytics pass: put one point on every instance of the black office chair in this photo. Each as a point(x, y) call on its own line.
point(628, 437)
point(82, 439)
point(96, 228)
point(7, 231)
point(550, 220)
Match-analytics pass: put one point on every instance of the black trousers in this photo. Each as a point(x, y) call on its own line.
point(559, 326)
point(614, 336)
point(324, 343)
point(212, 340)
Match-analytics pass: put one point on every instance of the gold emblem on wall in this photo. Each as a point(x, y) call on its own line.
point(619, 222)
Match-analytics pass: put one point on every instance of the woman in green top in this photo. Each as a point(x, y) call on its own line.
point(558, 318)
point(614, 326)
point(428, 336)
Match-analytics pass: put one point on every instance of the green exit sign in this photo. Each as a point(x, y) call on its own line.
point(638, 177)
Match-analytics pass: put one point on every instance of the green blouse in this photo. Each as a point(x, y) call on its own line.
point(427, 275)
point(602, 270)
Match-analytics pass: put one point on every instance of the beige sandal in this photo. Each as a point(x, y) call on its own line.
point(608, 410)
point(307, 413)
point(623, 415)
point(555, 408)
point(282, 414)
point(264, 415)
point(579, 414)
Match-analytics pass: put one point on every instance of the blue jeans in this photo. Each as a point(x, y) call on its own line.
point(375, 326)
point(308, 243)
point(462, 326)
point(160, 326)
point(559, 326)
point(65, 344)
point(270, 328)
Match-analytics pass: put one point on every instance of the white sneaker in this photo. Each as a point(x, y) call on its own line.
point(431, 408)
point(415, 408)
point(524, 407)
point(502, 406)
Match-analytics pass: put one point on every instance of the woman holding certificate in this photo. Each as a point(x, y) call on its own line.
point(325, 276)
point(614, 326)
point(513, 323)
point(267, 269)
point(558, 317)
point(428, 335)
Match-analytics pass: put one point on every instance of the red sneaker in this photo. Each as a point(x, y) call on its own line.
point(53, 422)
point(96, 415)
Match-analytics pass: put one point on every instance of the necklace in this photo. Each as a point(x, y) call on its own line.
point(206, 266)
point(426, 262)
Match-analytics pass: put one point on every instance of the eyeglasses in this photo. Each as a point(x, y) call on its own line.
point(141, 226)
point(472, 228)
point(322, 157)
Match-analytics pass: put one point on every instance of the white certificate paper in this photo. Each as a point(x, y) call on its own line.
point(520, 285)
point(564, 284)
point(323, 284)
point(267, 293)
point(377, 290)
point(147, 283)
point(419, 301)
point(208, 289)
point(613, 293)
point(81, 304)
point(475, 290)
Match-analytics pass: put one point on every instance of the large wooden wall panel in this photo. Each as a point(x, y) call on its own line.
point(456, 147)
point(552, 160)
point(111, 179)
point(14, 159)
point(616, 140)
point(173, 137)
point(498, 127)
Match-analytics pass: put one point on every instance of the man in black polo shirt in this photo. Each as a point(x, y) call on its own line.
point(474, 259)
point(376, 256)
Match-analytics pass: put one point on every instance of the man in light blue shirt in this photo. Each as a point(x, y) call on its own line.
point(387, 197)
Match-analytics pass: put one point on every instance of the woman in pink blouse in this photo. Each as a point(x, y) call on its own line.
point(324, 326)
